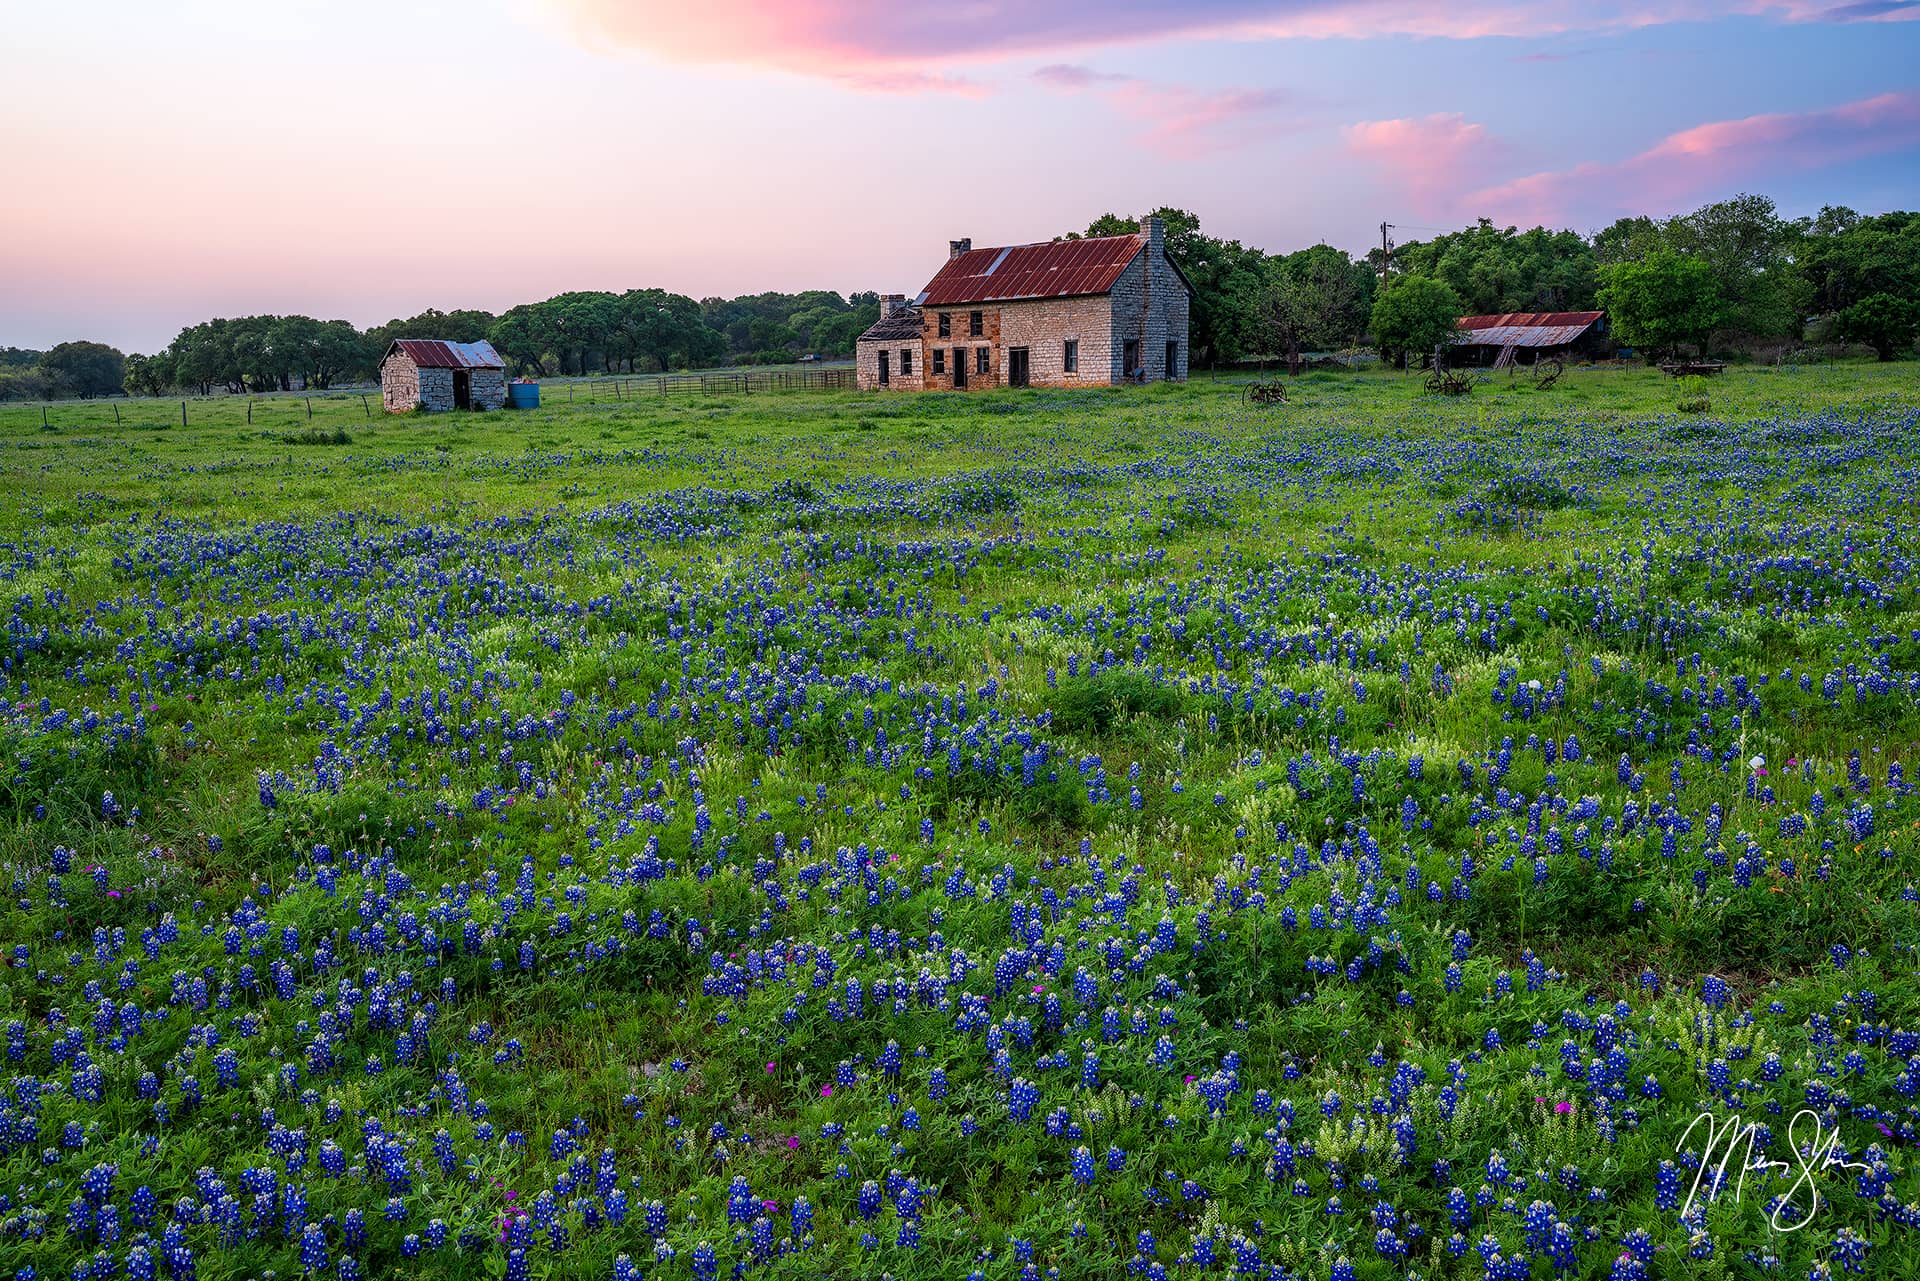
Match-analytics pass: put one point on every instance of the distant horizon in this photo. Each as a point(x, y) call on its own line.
point(366, 162)
point(368, 324)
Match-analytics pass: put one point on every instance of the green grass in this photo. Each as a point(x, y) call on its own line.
point(888, 677)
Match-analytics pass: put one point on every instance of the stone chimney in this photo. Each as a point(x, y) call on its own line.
point(1154, 232)
point(957, 247)
point(890, 303)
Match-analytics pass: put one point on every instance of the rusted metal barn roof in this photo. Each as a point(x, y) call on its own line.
point(1525, 328)
point(431, 353)
point(1054, 269)
point(902, 324)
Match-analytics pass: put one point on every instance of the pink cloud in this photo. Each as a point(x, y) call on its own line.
point(888, 80)
point(1177, 119)
point(1711, 156)
point(1061, 75)
point(1426, 155)
point(888, 45)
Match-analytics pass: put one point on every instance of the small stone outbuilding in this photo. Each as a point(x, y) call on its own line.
point(426, 373)
point(888, 354)
point(1063, 313)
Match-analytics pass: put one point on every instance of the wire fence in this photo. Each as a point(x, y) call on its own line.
point(158, 413)
point(340, 407)
point(742, 382)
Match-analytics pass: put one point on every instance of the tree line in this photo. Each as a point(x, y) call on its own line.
point(583, 332)
point(1732, 277)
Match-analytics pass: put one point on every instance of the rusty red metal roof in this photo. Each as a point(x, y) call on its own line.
point(432, 353)
point(1525, 328)
point(1528, 318)
point(1053, 269)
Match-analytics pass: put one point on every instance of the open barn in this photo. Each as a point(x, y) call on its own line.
point(1523, 337)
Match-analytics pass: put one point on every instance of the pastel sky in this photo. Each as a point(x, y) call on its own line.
point(171, 160)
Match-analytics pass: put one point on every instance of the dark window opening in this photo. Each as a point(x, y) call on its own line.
point(976, 324)
point(939, 360)
point(1070, 356)
point(906, 362)
point(1173, 360)
point(883, 369)
point(1130, 357)
point(981, 361)
point(946, 325)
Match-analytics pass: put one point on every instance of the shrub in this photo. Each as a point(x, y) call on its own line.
point(317, 436)
point(1096, 703)
point(1545, 493)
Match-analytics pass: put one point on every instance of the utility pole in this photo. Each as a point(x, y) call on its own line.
point(1386, 251)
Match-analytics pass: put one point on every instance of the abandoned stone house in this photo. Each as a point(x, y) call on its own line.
point(1066, 313)
point(426, 373)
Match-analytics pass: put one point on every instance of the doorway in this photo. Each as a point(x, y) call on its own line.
point(1016, 366)
point(462, 389)
point(1173, 362)
point(959, 368)
point(883, 369)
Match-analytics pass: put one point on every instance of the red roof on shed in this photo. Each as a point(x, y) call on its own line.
point(1054, 269)
point(1530, 320)
point(431, 353)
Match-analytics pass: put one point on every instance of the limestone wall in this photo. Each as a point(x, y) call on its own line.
point(961, 337)
point(436, 389)
point(903, 354)
point(1043, 327)
point(399, 384)
point(489, 388)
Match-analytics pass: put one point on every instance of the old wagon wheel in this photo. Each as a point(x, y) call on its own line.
point(1547, 372)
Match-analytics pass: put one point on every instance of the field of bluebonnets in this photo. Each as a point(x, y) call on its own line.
point(1026, 835)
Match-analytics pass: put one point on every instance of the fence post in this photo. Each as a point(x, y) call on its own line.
point(363, 405)
point(183, 413)
point(249, 413)
point(309, 409)
point(116, 415)
point(43, 416)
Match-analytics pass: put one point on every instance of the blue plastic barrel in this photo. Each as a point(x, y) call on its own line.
point(523, 395)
